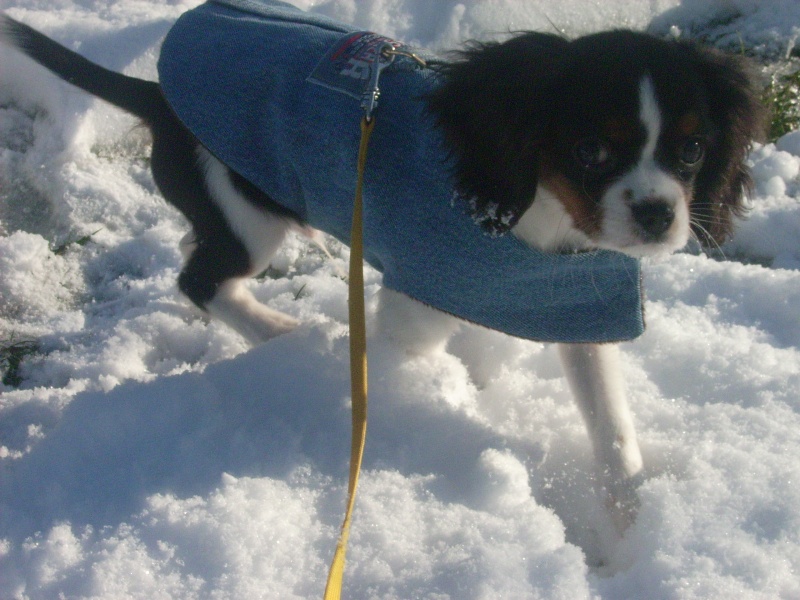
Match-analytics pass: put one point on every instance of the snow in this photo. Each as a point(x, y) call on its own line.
point(151, 454)
point(771, 26)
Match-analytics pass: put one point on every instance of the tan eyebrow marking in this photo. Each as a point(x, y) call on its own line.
point(689, 124)
point(620, 131)
point(586, 214)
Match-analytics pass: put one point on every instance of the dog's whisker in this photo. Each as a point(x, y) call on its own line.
point(709, 239)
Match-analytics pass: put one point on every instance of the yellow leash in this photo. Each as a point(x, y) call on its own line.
point(358, 330)
point(358, 366)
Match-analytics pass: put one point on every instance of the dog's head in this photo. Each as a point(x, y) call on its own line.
point(615, 140)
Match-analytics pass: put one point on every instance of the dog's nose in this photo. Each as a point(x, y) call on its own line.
point(654, 217)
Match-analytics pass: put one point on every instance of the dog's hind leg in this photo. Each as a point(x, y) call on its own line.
point(593, 372)
point(214, 279)
point(233, 236)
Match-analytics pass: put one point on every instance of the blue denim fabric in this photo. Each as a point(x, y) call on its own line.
point(239, 74)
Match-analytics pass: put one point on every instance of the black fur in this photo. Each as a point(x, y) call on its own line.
point(136, 96)
point(739, 117)
point(493, 106)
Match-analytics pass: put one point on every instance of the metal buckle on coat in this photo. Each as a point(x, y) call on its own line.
point(383, 59)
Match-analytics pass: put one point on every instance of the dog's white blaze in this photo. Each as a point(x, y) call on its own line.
point(261, 232)
point(647, 181)
point(650, 116)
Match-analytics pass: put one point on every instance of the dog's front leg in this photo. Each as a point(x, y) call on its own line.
point(595, 378)
point(417, 328)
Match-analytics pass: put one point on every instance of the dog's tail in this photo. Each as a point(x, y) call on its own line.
point(137, 96)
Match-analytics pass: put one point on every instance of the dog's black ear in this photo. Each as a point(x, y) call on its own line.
point(492, 106)
point(739, 118)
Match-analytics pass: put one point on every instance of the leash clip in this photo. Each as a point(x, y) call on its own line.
point(383, 58)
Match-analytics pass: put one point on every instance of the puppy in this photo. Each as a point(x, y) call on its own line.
point(514, 186)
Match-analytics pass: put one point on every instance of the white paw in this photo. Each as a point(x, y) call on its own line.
point(622, 502)
point(264, 324)
point(235, 306)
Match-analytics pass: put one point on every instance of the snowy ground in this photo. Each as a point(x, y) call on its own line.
point(150, 454)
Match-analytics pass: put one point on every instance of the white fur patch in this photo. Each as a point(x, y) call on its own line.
point(260, 231)
point(548, 227)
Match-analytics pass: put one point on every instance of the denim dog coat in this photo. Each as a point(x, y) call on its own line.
point(274, 92)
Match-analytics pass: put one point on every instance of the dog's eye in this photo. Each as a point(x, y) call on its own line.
point(593, 155)
point(692, 151)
